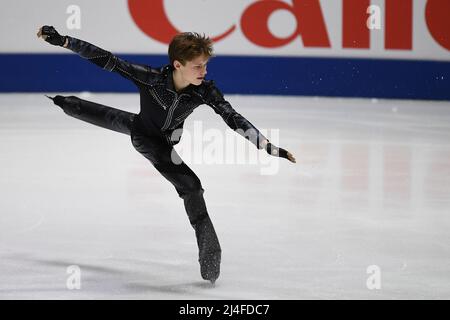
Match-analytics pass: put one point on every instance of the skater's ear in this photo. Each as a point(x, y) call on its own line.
point(177, 64)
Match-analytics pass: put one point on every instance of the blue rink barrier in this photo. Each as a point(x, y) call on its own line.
point(332, 77)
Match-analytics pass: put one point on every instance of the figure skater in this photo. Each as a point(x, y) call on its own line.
point(168, 95)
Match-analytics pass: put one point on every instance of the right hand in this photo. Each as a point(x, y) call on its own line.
point(49, 34)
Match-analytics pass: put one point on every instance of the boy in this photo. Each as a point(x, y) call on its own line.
point(168, 95)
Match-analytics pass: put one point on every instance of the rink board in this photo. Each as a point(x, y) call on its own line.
point(313, 76)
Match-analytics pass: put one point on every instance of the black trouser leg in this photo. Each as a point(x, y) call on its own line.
point(95, 113)
point(168, 163)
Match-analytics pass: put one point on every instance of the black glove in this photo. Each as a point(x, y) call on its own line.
point(276, 152)
point(53, 36)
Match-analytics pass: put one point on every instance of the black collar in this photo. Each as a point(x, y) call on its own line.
point(167, 72)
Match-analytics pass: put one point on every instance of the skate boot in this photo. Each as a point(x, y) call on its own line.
point(210, 266)
point(209, 250)
point(70, 105)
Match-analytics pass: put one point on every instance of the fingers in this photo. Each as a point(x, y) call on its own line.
point(291, 158)
point(40, 35)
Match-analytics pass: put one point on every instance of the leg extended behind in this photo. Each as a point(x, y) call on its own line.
point(95, 113)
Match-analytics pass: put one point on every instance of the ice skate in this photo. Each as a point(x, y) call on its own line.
point(210, 252)
point(210, 266)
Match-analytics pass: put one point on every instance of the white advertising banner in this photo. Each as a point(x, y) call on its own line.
point(400, 29)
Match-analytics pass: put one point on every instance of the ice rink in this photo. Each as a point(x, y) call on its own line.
point(370, 191)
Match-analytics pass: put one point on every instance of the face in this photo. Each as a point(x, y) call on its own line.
point(194, 71)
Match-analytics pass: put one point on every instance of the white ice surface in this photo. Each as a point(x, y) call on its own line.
point(371, 187)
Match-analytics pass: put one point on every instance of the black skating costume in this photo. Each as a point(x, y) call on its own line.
point(157, 128)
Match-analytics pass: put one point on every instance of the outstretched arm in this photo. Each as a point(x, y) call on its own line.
point(214, 98)
point(139, 74)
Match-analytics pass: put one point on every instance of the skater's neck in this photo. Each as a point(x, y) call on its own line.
point(179, 82)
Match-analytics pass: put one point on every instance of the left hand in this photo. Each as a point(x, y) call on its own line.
point(278, 152)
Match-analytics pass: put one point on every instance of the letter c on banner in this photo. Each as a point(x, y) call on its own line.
point(152, 19)
point(436, 14)
point(310, 23)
